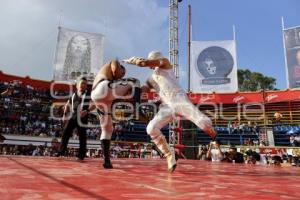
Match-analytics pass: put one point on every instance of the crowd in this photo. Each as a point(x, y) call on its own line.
point(26, 112)
point(215, 153)
point(242, 128)
point(118, 150)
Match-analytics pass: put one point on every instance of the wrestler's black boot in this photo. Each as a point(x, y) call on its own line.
point(105, 144)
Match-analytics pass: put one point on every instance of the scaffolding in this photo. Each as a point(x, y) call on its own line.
point(173, 35)
point(175, 131)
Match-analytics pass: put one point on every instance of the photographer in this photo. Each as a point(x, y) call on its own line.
point(252, 157)
point(233, 156)
point(202, 152)
point(214, 152)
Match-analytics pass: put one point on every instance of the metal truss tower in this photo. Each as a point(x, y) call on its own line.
point(175, 131)
point(173, 35)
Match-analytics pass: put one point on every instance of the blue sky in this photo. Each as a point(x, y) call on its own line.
point(135, 27)
point(258, 30)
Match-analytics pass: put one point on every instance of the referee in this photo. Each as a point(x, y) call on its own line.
point(79, 105)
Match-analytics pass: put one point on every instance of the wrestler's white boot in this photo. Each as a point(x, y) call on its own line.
point(211, 132)
point(168, 152)
point(171, 160)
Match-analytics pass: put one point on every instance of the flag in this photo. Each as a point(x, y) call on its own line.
point(77, 54)
point(213, 66)
point(292, 56)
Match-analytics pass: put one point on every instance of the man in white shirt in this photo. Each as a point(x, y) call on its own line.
point(215, 152)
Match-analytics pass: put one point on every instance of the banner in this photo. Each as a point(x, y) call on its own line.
point(77, 54)
point(292, 56)
point(237, 97)
point(213, 66)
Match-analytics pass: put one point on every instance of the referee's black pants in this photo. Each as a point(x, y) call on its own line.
point(67, 133)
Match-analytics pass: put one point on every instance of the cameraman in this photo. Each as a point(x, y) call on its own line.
point(202, 152)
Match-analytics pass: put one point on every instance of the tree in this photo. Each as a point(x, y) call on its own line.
point(254, 81)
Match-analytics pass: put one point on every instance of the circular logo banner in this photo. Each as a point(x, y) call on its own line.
point(215, 64)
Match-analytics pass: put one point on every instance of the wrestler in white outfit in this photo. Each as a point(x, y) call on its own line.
point(174, 102)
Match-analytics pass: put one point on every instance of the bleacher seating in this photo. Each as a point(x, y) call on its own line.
point(138, 134)
point(282, 134)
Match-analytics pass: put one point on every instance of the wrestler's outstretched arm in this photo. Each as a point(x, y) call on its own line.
point(142, 62)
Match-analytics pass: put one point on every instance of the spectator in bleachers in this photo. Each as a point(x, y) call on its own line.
point(229, 127)
point(235, 127)
point(292, 140)
point(248, 142)
point(255, 142)
point(277, 116)
point(297, 140)
point(255, 129)
point(9, 90)
point(262, 143)
point(118, 131)
point(241, 128)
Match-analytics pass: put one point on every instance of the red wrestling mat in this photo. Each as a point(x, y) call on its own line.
point(64, 178)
